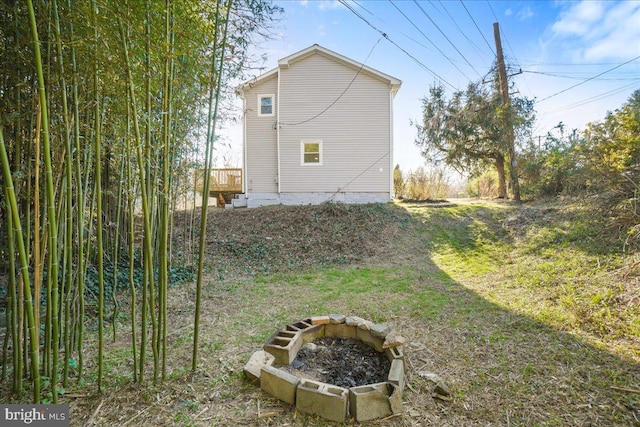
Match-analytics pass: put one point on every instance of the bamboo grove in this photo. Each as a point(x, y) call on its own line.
point(106, 109)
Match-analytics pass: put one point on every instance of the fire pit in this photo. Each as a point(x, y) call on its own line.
point(287, 370)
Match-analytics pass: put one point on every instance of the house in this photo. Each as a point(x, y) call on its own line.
point(318, 128)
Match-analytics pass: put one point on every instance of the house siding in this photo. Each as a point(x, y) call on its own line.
point(355, 131)
point(261, 156)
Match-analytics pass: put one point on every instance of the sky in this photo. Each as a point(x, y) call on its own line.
point(592, 45)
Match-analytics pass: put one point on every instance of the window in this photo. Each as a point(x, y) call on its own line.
point(311, 152)
point(265, 105)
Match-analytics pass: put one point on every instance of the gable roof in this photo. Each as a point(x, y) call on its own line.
point(316, 48)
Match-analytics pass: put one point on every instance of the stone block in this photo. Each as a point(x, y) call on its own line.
point(367, 338)
point(312, 333)
point(320, 320)
point(395, 398)
point(284, 346)
point(394, 353)
point(380, 331)
point(279, 384)
point(337, 318)
point(257, 360)
point(325, 400)
point(396, 373)
point(340, 330)
point(369, 402)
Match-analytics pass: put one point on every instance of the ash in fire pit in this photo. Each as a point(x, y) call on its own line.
point(341, 361)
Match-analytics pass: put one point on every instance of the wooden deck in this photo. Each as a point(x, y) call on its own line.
point(223, 183)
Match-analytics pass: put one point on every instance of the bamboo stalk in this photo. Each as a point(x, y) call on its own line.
point(24, 265)
point(212, 120)
point(80, 201)
point(98, 198)
point(148, 257)
point(50, 193)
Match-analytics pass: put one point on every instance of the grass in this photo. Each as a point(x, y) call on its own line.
point(526, 312)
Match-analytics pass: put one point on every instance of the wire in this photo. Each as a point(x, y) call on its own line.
point(595, 97)
point(588, 80)
point(447, 38)
point(460, 29)
point(339, 96)
point(428, 39)
point(345, 4)
point(575, 77)
point(478, 28)
point(360, 174)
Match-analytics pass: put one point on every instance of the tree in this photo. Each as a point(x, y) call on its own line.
point(466, 131)
point(75, 142)
point(399, 184)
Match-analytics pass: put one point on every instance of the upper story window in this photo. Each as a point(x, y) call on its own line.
point(265, 105)
point(311, 152)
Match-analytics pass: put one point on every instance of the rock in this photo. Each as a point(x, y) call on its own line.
point(310, 347)
point(337, 318)
point(393, 340)
point(365, 325)
point(435, 378)
point(442, 389)
point(353, 320)
point(380, 331)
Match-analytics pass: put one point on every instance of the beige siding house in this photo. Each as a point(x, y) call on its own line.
point(318, 128)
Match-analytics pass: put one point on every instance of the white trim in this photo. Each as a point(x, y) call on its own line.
point(310, 141)
point(288, 60)
point(285, 62)
point(273, 106)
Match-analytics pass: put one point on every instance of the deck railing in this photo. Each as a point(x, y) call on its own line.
point(227, 180)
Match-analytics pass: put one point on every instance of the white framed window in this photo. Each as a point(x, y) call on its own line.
point(266, 105)
point(311, 152)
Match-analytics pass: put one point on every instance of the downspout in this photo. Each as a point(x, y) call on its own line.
point(245, 186)
point(278, 131)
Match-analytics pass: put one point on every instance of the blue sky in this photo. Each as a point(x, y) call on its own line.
point(557, 44)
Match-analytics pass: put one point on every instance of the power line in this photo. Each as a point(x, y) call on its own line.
point(447, 38)
point(345, 4)
point(339, 96)
point(428, 39)
point(576, 77)
point(458, 27)
point(588, 80)
point(478, 28)
point(504, 37)
point(595, 97)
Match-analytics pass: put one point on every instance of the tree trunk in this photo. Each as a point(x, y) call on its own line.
point(502, 188)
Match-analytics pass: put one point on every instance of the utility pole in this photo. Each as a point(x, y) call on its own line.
point(509, 137)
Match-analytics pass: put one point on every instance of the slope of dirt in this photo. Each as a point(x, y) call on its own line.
point(272, 239)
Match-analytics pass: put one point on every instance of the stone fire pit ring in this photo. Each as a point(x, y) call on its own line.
point(365, 402)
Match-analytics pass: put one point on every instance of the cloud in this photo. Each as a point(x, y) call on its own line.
point(328, 4)
point(508, 12)
point(304, 3)
point(525, 13)
point(598, 31)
